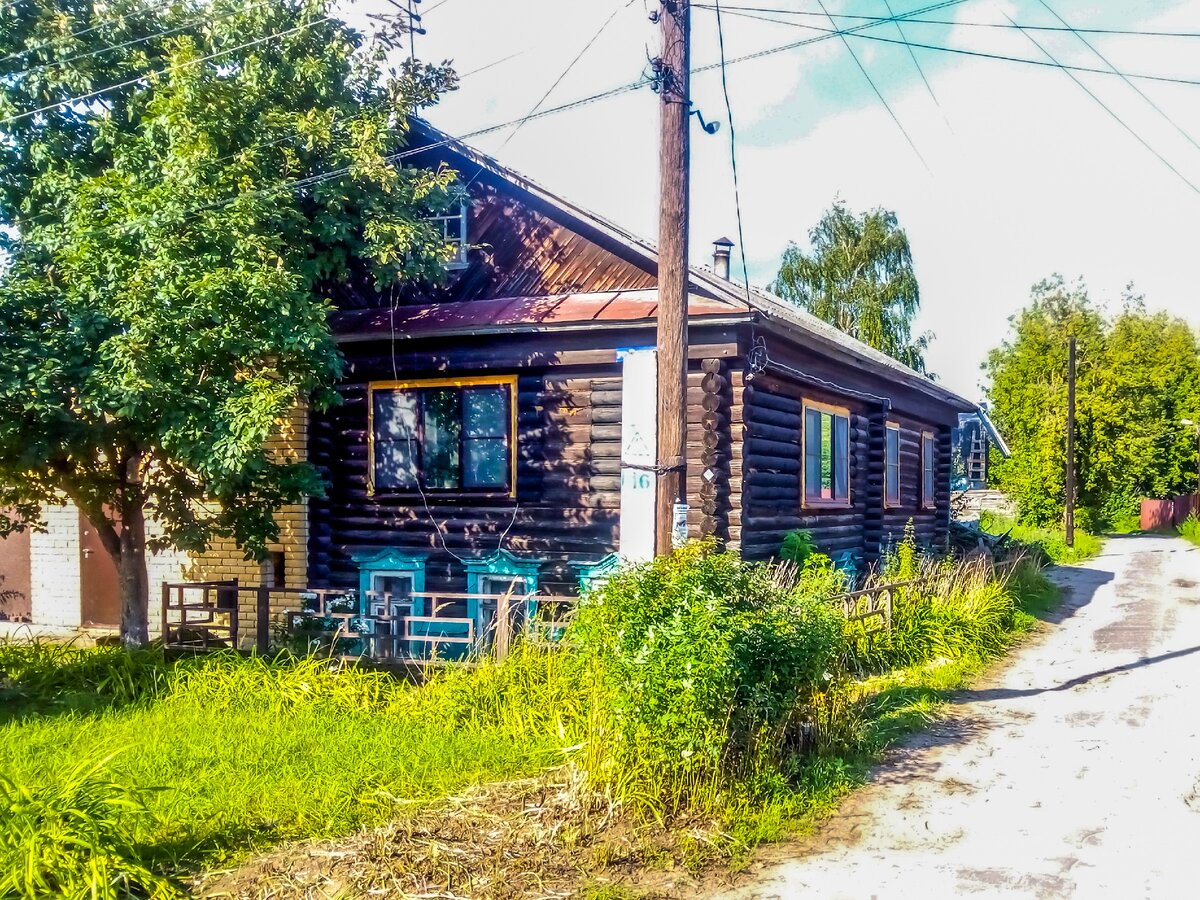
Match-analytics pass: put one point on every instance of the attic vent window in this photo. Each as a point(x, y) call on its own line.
point(454, 231)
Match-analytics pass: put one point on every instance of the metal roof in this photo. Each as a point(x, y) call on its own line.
point(519, 314)
point(734, 297)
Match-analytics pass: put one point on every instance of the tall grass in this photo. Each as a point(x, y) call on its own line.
point(75, 837)
point(1189, 529)
point(244, 753)
point(1050, 542)
point(698, 685)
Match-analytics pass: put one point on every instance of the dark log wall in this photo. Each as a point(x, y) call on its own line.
point(709, 451)
point(568, 488)
point(772, 501)
point(767, 417)
point(929, 524)
point(567, 508)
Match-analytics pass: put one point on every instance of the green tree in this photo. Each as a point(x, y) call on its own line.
point(859, 278)
point(1138, 375)
point(171, 243)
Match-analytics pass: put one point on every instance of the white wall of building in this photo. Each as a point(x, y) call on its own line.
point(54, 568)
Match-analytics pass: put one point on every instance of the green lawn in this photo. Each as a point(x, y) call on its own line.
point(235, 755)
point(239, 755)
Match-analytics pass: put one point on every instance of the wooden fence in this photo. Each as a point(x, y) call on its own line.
point(430, 626)
point(872, 607)
point(415, 627)
point(1167, 515)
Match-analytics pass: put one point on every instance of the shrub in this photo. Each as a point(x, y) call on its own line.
point(699, 663)
point(74, 837)
point(1189, 529)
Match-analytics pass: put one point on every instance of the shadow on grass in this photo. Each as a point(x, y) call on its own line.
point(185, 854)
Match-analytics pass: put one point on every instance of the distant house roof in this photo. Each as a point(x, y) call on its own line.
point(720, 295)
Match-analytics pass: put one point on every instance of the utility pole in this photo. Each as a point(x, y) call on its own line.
point(674, 74)
point(1070, 518)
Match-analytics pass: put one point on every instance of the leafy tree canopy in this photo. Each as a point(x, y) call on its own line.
point(859, 278)
point(182, 185)
point(1138, 376)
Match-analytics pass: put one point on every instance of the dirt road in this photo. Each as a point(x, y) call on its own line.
point(1074, 773)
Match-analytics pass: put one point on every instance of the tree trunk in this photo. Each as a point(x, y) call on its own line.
point(135, 582)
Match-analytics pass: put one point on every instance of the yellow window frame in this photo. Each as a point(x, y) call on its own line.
point(510, 381)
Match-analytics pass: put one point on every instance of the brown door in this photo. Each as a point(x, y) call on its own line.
point(99, 586)
point(14, 577)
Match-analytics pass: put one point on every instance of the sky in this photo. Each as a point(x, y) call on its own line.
point(1020, 173)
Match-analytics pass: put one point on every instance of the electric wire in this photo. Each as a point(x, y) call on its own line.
point(912, 54)
point(878, 93)
point(783, 48)
point(1109, 110)
point(321, 177)
point(99, 92)
point(132, 42)
point(1119, 32)
point(74, 34)
point(567, 71)
point(1104, 59)
point(737, 194)
point(979, 54)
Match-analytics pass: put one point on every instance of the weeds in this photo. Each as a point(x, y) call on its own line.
point(1051, 543)
point(1189, 529)
point(726, 700)
point(76, 837)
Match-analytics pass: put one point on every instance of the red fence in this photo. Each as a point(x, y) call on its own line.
point(1166, 515)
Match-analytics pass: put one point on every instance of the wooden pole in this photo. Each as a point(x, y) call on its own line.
point(675, 115)
point(1070, 511)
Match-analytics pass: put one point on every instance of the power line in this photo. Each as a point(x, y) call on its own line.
point(878, 93)
point(292, 132)
point(1104, 59)
point(320, 178)
point(913, 56)
point(979, 54)
point(1122, 32)
point(1108, 110)
point(737, 193)
point(771, 51)
point(74, 34)
point(567, 71)
point(99, 92)
point(20, 73)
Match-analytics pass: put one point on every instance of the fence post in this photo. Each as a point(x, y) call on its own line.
point(166, 605)
point(262, 627)
point(503, 626)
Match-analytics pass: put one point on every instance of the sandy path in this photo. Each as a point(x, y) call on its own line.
point(1074, 773)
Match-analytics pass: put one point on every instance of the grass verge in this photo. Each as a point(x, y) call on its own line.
point(1052, 542)
point(760, 706)
point(1189, 530)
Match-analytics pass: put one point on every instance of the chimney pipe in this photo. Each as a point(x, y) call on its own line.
point(721, 252)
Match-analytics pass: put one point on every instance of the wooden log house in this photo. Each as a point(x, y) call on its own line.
point(481, 434)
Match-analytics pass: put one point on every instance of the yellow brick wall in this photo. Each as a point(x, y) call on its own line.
point(224, 560)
